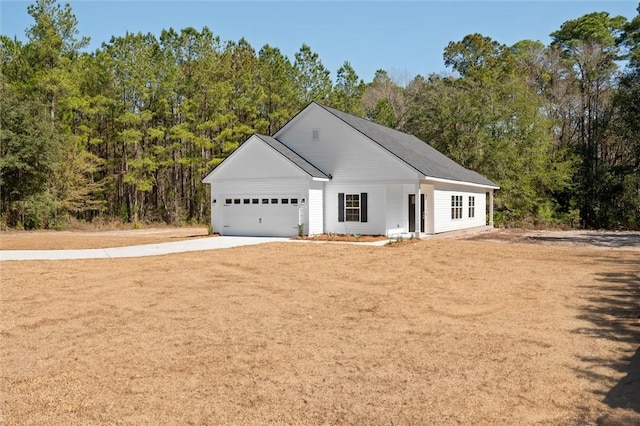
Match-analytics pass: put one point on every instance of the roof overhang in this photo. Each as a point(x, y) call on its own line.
point(456, 182)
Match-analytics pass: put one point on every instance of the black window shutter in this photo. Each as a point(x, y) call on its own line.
point(341, 207)
point(363, 207)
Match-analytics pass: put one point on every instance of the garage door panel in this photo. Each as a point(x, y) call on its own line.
point(263, 218)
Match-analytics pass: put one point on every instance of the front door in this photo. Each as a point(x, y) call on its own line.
point(412, 212)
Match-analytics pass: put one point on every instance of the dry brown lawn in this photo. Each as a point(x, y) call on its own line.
point(57, 240)
point(432, 332)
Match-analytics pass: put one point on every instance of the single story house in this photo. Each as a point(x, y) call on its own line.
point(326, 171)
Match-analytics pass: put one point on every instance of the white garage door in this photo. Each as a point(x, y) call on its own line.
point(274, 216)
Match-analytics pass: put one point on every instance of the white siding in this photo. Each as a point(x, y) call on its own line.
point(314, 225)
point(442, 207)
point(255, 159)
point(376, 218)
point(429, 209)
point(342, 151)
point(397, 218)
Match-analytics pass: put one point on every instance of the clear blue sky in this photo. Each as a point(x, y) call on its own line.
point(404, 38)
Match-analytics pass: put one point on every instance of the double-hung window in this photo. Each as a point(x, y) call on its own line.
point(456, 207)
point(352, 207)
point(472, 206)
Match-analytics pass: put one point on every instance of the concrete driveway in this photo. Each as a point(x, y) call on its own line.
point(198, 244)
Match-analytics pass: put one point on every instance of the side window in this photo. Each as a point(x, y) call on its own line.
point(352, 207)
point(456, 207)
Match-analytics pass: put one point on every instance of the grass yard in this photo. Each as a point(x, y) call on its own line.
point(432, 332)
point(58, 240)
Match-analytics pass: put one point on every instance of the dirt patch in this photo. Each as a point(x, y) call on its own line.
point(57, 240)
point(620, 240)
point(345, 238)
point(436, 332)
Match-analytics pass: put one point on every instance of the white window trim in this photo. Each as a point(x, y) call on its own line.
point(456, 207)
point(346, 208)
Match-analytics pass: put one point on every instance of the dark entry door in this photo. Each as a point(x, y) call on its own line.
point(412, 212)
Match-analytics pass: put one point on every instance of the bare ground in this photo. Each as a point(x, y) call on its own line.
point(431, 332)
point(622, 240)
point(57, 240)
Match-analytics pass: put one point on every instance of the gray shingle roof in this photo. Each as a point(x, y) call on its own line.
point(309, 168)
point(416, 153)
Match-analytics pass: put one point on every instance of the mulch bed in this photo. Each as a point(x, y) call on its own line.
point(345, 238)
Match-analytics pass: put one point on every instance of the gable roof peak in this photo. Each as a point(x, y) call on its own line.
point(293, 156)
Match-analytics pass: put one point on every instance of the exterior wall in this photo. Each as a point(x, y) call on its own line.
point(376, 216)
point(255, 170)
point(256, 188)
point(314, 223)
point(342, 151)
point(397, 217)
point(401, 211)
point(256, 159)
point(442, 207)
point(429, 209)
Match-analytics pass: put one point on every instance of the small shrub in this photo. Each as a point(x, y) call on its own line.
point(61, 222)
point(37, 211)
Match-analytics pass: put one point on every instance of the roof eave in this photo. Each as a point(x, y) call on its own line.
point(457, 182)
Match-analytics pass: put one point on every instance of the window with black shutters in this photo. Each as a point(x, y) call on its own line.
point(352, 207)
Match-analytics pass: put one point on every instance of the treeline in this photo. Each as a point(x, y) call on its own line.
point(128, 131)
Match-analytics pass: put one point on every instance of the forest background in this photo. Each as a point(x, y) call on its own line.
point(128, 131)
